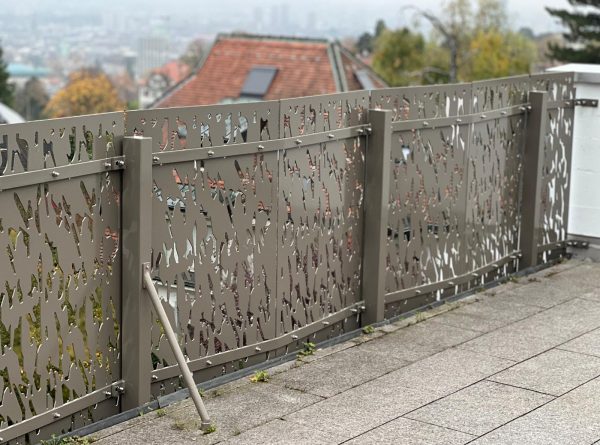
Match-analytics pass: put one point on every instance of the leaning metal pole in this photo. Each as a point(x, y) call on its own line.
point(185, 370)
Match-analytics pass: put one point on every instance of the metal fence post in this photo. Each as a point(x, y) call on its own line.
point(377, 191)
point(533, 161)
point(136, 237)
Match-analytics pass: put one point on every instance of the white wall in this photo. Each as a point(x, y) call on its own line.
point(584, 201)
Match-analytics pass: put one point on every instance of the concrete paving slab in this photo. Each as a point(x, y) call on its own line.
point(515, 342)
point(480, 408)
point(567, 320)
point(361, 409)
point(280, 432)
point(411, 432)
point(446, 372)
point(542, 295)
point(234, 411)
point(573, 419)
point(421, 340)
point(593, 295)
point(339, 372)
point(588, 343)
point(486, 315)
point(554, 372)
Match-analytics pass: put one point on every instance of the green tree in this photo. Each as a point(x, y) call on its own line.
point(498, 54)
point(366, 41)
point(399, 57)
point(583, 36)
point(31, 100)
point(87, 92)
point(474, 42)
point(6, 89)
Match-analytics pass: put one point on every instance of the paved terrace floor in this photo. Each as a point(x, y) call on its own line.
point(518, 364)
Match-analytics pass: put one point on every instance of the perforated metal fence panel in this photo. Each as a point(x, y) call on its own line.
point(255, 220)
point(60, 275)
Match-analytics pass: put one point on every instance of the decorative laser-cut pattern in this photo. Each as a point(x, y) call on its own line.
point(426, 102)
point(317, 114)
point(557, 155)
point(426, 217)
point(214, 251)
point(495, 164)
point(59, 297)
point(206, 126)
point(320, 231)
point(500, 93)
point(58, 142)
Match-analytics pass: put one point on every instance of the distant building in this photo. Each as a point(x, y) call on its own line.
point(152, 53)
point(20, 73)
point(9, 116)
point(242, 67)
point(160, 80)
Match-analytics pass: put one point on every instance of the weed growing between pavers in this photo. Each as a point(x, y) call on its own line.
point(309, 349)
point(69, 441)
point(368, 330)
point(260, 376)
point(210, 429)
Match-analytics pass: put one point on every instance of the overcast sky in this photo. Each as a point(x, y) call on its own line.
point(529, 13)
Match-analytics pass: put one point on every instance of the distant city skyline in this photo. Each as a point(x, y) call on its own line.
point(338, 16)
point(129, 38)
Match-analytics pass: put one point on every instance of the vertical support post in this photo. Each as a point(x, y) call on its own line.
point(532, 177)
point(136, 237)
point(377, 191)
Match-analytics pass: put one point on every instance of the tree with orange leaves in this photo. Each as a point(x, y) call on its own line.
point(88, 92)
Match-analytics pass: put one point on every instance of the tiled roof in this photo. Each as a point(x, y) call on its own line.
point(351, 66)
point(304, 68)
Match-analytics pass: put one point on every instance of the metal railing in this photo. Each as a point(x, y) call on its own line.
point(265, 225)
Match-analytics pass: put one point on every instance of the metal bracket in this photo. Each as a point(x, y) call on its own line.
point(117, 389)
point(586, 103)
point(578, 244)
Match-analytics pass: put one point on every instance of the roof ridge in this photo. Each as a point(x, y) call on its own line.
point(282, 38)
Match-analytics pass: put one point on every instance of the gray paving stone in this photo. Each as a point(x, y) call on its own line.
point(515, 342)
point(586, 344)
point(480, 408)
point(280, 432)
point(487, 315)
point(411, 432)
point(593, 295)
point(238, 410)
point(421, 340)
point(554, 372)
point(361, 409)
point(567, 320)
point(548, 293)
point(339, 372)
point(573, 419)
point(557, 269)
point(446, 372)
